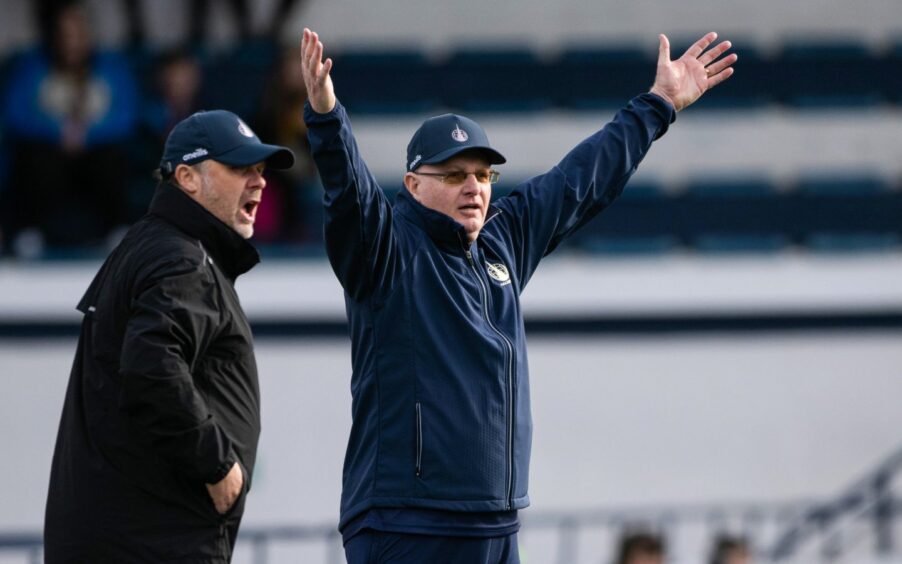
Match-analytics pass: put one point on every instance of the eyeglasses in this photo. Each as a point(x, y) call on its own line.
point(455, 177)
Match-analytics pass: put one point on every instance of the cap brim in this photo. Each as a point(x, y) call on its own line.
point(494, 156)
point(273, 155)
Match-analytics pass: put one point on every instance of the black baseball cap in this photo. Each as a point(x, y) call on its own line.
point(222, 136)
point(442, 137)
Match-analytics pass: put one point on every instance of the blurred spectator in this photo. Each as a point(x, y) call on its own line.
point(199, 19)
point(69, 111)
point(179, 78)
point(728, 549)
point(641, 548)
point(175, 95)
point(290, 210)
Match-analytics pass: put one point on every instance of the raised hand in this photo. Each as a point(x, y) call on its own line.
point(320, 91)
point(683, 81)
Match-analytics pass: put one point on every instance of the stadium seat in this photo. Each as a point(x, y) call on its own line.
point(828, 74)
point(502, 79)
point(388, 82)
point(592, 77)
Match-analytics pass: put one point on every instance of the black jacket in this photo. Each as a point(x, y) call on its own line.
point(163, 397)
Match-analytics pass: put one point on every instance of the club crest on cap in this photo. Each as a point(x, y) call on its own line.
point(244, 129)
point(459, 134)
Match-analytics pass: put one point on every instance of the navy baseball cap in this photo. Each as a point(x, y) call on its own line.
point(442, 137)
point(222, 136)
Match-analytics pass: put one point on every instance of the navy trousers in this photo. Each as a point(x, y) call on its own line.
point(377, 547)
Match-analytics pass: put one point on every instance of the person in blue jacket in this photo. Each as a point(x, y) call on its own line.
point(69, 111)
point(437, 462)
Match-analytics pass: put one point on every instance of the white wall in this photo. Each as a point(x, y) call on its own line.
point(618, 422)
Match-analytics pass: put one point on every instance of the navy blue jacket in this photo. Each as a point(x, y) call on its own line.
point(440, 387)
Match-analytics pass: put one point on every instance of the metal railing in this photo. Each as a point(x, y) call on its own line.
point(864, 511)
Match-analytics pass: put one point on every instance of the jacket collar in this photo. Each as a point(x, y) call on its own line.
point(440, 227)
point(234, 254)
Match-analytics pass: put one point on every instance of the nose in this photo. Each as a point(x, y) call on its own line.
point(470, 185)
point(257, 181)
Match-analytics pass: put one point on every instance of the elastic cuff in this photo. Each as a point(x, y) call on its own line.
point(223, 469)
point(312, 116)
point(663, 108)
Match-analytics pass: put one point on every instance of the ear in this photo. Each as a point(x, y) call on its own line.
point(412, 183)
point(187, 178)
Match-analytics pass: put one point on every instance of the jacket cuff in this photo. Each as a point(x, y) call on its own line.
point(311, 116)
point(659, 106)
point(222, 470)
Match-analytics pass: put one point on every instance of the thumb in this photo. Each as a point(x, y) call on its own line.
point(663, 49)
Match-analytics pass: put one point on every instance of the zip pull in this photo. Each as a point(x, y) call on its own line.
point(470, 257)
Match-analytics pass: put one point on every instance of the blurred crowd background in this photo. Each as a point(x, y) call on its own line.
point(807, 164)
point(83, 126)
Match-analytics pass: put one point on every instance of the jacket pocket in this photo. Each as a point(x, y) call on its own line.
point(419, 440)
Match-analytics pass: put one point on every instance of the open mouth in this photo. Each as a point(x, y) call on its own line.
point(250, 209)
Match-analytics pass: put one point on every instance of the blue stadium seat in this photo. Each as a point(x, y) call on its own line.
point(651, 245)
point(738, 215)
point(844, 184)
point(593, 77)
point(740, 244)
point(848, 213)
point(234, 80)
point(853, 242)
point(504, 79)
point(389, 81)
point(828, 74)
point(751, 86)
point(891, 77)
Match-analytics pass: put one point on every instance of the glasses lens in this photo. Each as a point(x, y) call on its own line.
point(494, 175)
point(455, 177)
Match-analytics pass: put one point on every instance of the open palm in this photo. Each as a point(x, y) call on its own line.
point(683, 81)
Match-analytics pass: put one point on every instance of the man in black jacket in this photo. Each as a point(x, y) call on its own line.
point(159, 430)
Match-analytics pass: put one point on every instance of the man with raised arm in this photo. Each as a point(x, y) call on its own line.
point(437, 462)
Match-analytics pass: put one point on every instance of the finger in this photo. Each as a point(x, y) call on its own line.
point(305, 44)
point(700, 45)
point(311, 57)
point(663, 49)
point(327, 68)
point(722, 64)
point(317, 59)
point(720, 77)
point(712, 54)
point(306, 47)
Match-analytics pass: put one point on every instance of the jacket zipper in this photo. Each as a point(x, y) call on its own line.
point(419, 440)
point(510, 379)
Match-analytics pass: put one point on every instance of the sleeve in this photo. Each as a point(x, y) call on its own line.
point(173, 319)
point(544, 210)
point(358, 217)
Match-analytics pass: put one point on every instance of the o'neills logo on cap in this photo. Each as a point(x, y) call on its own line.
point(459, 134)
point(499, 272)
point(414, 162)
point(195, 154)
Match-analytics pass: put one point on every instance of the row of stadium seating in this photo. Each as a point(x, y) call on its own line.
point(505, 79)
point(836, 214)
